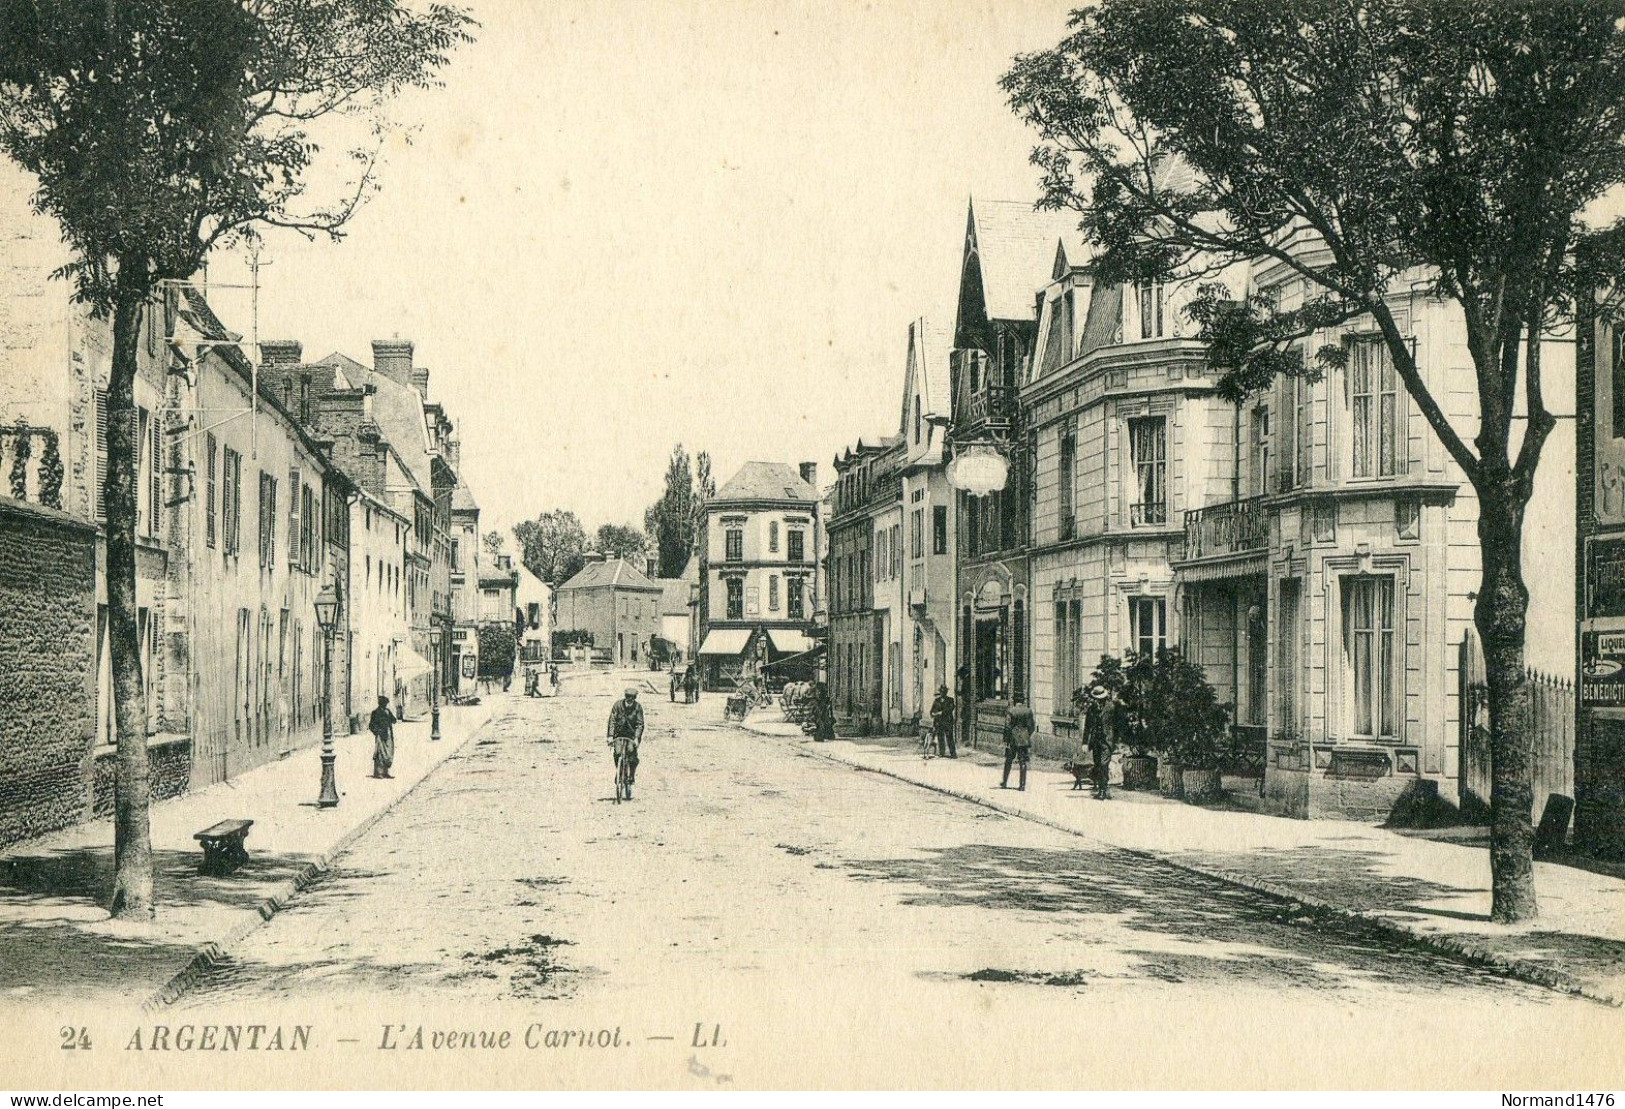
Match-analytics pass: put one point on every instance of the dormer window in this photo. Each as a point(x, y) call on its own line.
point(1151, 296)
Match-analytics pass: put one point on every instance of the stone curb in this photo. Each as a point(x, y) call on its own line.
point(1521, 970)
point(210, 954)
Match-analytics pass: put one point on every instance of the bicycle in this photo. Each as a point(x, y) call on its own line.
point(623, 770)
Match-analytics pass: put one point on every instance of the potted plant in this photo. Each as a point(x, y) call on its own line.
point(1193, 724)
point(1130, 687)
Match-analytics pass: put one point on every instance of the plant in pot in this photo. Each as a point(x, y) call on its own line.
point(1193, 725)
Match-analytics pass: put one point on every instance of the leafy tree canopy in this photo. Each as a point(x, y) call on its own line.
point(160, 128)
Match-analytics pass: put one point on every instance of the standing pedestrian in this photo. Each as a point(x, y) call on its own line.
point(1018, 742)
point(382, 726)
point(674, 684)
point(942, 723)
point(823, 713)
point(691, 684)
point(1100, 735)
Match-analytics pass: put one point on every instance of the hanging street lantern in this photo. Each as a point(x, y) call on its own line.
point(978, 469)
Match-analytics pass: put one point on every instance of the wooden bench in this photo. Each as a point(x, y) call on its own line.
point(223, 850)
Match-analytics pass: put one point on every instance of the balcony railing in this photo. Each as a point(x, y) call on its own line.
point(993, 404)
point(1222, 529)
point(1148, 514)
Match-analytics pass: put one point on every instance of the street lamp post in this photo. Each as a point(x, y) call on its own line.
point(434, 700)
point(327, 609)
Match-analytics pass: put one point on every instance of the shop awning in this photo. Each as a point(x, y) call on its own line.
point(409, 664)
point(1246, 565)
point(725, 641)
point(789, 641)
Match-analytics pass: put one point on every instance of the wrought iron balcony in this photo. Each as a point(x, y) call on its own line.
point(1223, 529)
point(1148, 514)
point(993, 404)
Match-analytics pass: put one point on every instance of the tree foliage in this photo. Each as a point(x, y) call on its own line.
point(498, 644)
point(670, 520)
point(493, 543)
point(157, 130)
point(623, 541)
point(553, 546)
point(161, 128)
point(1372, 151)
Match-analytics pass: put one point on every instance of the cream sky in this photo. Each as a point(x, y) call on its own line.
point(622, 225)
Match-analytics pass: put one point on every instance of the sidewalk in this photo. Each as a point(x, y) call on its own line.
point(57, 943)
point(1432, 892)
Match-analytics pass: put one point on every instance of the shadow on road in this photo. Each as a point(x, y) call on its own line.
point(1177, 926)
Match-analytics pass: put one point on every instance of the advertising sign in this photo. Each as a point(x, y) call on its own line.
point(1605, 577)
point(1602, 669)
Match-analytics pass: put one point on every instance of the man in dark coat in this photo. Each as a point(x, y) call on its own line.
point(823, 713)
point(1100, 734)
point(942, 724)
point(626, 723)
point(382, 726)
point(1018, 742)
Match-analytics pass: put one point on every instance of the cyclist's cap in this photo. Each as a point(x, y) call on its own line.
point(630, 692)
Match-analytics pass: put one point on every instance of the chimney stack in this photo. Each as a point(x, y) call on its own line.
point(281, 352)
point(809, 473)
point(420, 381)
point(454, 453)
point(594, 556)
point(393, 359)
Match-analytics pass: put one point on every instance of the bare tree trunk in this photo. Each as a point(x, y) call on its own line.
point(132, 831)
point(1500, 615)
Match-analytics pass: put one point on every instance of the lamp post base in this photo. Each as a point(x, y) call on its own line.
point(434, 724)
point(330, 789)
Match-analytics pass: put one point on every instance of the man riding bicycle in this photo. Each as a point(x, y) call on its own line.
point(626, 732)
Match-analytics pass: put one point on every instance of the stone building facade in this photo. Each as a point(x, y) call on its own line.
point(615, 603)
point(929, 620)
point(759, 572)
point(865, 478)
point(1128, 434)
point(1008, 252)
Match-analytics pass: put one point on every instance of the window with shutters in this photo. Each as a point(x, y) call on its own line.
point(267, 519)
point(155, 474)
point(231, 477)
point(296, 533)
point(1067, 480)
point(798, 548)
point(311, 560)
point(143, 484)
point(209, 526)
point(773, 593)
point(795, 591)
point(773, 536)
point(939, 529)
point(101, 454)
point(735, 543)
point(736, 599)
